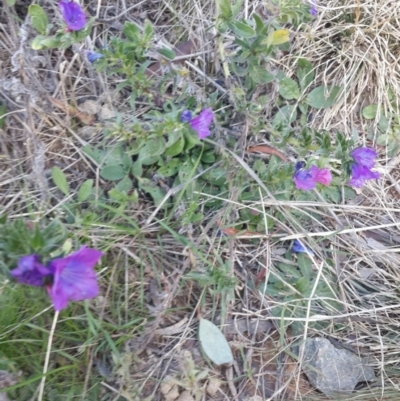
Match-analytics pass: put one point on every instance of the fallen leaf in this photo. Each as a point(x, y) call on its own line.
point(214, 343)
point(230, 231)
point(267, 150)
point(73, 111)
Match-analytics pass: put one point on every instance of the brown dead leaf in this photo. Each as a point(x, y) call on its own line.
point(73, 111)
point(230, 231)
point(268, 150)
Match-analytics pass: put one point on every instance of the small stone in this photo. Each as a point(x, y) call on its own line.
point(185, 396)
point(172, 394)
point(90, 107)
point(334, 371)
point(106, 113)
point(213, 386)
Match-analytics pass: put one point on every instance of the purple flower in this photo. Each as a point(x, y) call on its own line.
point(30, 271)
point(307, 179)
point(73, 15)
point(313, 8)
point(93, 56)
point(364, 160)
point(299, 247)
point(74, 277)
point(360, 174)
point(364, 157)
point(186, 116)
point(201, 123)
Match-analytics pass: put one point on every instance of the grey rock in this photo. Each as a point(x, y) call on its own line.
point(334, 371)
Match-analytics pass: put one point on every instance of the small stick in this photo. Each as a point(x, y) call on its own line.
point(46, 362)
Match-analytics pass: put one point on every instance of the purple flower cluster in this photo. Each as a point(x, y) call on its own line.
point(201, 123)
point(364, 160)
point(71, 278)
point(73, 15)
point(307, 179)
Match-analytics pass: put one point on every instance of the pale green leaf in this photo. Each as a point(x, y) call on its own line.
point(214, 343)
point(323, 97)
point(242, 29)
point(289, 89)
point(38, 18)
point(85, 190)
point(369, 112)
point(60, 180)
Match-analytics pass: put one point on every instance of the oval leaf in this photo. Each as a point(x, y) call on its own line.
point(242, 29)
point(323, 97)
point(113, 172)
point(38, 18)
point(289, 89)
point(85, 190)
point(370, 111)
point(60, 180)
point(278, 37)
point(214, 343)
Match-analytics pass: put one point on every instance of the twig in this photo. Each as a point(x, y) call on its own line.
point(46, 362)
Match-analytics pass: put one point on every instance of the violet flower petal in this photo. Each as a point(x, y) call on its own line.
point(74, 277)
point(313, 9)
point(365, 157)
point(360, 174)
point(307, 179)
point(323, 176)
point(72, 14)
point(30, 271)
point(93, 56)
point(186, 116)
point(202, 123)
point(299, 247)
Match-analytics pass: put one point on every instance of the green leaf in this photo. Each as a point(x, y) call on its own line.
point(303, 285)
point(260, 75)
point(323, 96)
point(151, 151)
point(176, 148)
point(10, 3)
point(124, 185)
point(242, 29)
point(153, 190)
point(214, 343)
point(60, 180)
point(113, 172)
point(304, 72)
point(131, 31)
point(38, 18)
point(137, 168)
point(289, 89)
point(170, 168)
point(167, 53)
point(225, 7)
point(285, 116)
point(370, 112)
point(3, 112)
point(382, 140)
point(148, 30)
point(304, 263)
point(85, 190)
point(383, 123)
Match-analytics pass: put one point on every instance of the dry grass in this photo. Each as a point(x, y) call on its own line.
point(352, 45)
